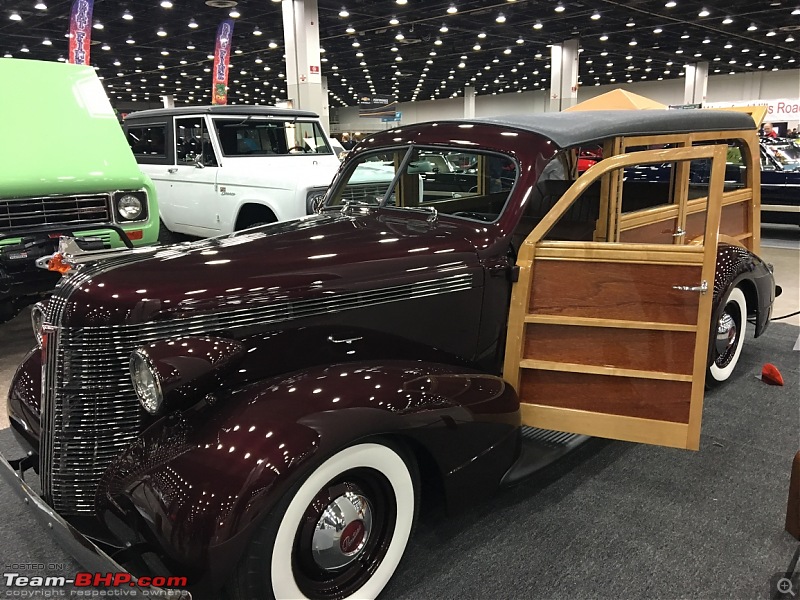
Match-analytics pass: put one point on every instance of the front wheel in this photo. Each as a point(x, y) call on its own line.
point(727, 338)
point(340, 533)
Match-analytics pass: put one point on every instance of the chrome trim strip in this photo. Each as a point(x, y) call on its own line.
point(786, 208)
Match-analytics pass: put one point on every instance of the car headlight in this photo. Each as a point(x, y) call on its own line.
point(37, 322)
point(129, 207)
point(146, 382)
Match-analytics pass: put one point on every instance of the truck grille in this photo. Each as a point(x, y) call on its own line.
point(24, 213)
point(365, 193)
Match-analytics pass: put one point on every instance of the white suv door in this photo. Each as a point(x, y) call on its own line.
point(190, 202)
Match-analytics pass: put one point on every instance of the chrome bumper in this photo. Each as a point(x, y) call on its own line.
point(81, 548)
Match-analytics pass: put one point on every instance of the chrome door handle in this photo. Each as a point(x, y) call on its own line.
point(702, 288)
point(172, 170)
point(679, 232)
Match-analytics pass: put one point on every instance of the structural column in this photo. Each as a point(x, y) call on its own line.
point(563, 75)
point(696, 84)
point(301, 39)
point(168, 101)
point(469, 102)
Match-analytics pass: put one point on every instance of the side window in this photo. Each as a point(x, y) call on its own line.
point(307, 138)
point(148, 142)
point(192, 143)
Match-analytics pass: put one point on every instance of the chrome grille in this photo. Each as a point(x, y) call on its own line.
point(90, 413)
point(25, 213)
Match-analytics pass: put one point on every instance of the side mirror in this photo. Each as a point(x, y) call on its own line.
point(198, 163)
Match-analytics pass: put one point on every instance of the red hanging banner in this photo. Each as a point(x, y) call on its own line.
point(222, 55)
point(80, 31)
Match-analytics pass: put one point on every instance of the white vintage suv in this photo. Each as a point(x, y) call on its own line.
point(220, 169)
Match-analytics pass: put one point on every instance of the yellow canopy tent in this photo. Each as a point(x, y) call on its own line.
point(617, 99)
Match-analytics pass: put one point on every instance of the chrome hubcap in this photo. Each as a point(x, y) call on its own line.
point(342, 531)
point(726, 336)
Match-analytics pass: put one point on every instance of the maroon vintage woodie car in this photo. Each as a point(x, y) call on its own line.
point(262, 411)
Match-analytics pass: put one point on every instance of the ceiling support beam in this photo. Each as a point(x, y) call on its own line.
point(696, 83)
point(301, 39)
point(563, 75)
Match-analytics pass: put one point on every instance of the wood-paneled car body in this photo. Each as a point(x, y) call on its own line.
point(262, 411)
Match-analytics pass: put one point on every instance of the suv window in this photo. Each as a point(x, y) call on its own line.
point(260, 137)
point(192, 142)
point(148, 143)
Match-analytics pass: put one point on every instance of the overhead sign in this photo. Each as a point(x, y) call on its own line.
point(222, 57)
point(376, 106)
point(395, 117)
point(783, 109)
point(80, 31)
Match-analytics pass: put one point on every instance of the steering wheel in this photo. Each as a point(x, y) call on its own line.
point(297, 148)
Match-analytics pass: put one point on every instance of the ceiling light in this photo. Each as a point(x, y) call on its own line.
point(657, 30)
point(520, 41)
point(350, 29)
point(166, 4)
point(632, 43)
point(604, 38)
point(401, 2)
point(595, 16)
point(707, 41)
point(234, 14)
point(727, 21)
point(481, 35)
point(671, 4)
point(394, 21)
point(40, 6)
point(130, 40)
point(507, 51)
point(103, 47)
point(443, 29)
point(438, 42)
point(703, 13)
point(24, 48)
point(537, 25)
point(399, 36)
point(343, 13)
point(500, 18)
point(451, 10)
point(127, 15)
point(476, 47)
point(728, 46)
point(193, 24)
point(14, 16)
point(630, 23)
point(161, 32)
point(356, 44)
point(190, 47)
point(559, 8)
point(771, 33)
point(272, 45)
point(685, 35)
point(47, 42)
point(789, 38)
point(752, 27)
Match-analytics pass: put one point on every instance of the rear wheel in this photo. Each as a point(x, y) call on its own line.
point(340, 533)
point(165, 236)
point(727, 338)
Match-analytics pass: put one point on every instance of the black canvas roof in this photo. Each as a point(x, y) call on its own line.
point(237, 109)
point(580, 127)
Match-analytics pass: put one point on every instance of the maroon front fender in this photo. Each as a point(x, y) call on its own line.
point(198, 483)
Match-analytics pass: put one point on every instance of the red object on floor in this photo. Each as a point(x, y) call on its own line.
point(771, 375)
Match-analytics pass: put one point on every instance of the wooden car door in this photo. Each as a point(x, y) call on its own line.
point(610, 339)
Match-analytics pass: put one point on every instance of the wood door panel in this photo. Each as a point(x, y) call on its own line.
point(634, 292)
point(695, 225)
point(638, 349)
point(613, 395)
point(660, 232)
point(733, 221)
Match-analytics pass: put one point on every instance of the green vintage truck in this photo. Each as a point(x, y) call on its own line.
point(65, 167)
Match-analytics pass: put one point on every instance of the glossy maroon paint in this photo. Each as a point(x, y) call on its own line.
point(198, 482)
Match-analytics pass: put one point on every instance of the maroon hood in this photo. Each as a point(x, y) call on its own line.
point(309, 258)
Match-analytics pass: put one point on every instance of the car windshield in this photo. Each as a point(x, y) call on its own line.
point(268, 137)
point(788, 155)
point(427, 178)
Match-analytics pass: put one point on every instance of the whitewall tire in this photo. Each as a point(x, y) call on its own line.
point(340, 533)
point(727, 338)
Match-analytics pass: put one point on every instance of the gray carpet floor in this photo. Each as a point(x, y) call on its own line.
point(612, 520)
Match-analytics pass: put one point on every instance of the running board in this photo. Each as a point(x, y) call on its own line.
point(540, 447)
